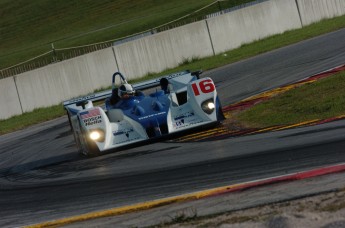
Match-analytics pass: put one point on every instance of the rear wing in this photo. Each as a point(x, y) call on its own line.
point(137, 86)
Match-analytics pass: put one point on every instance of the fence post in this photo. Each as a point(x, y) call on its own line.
point(299, 12)
point(20, 101)
point(220, 7)
point(209, 35)
point(54, 53)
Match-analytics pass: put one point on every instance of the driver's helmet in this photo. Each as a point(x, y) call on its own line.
point(125, 91)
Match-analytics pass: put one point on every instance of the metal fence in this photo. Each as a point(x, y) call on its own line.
point(51, 57)
point(58, 55)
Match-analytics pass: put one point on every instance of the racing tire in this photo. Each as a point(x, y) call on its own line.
point(72, 128)
point(220, 114)
point(69, 121)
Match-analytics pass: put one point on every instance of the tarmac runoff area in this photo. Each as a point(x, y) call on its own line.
point(244, 196)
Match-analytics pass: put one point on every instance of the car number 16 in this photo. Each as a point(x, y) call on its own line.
point(205, 86)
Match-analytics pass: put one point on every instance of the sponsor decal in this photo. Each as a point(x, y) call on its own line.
point(125, 132)
point(170, 76)
point(178, 123)
point(91, 117)
point(129, 133)
point(82, 98)
point(186, 120)
point(90, 113)
point(184, 115)
point(92, 120)
point(152, 115)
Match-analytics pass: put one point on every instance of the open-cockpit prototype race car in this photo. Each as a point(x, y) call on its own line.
point(181, 101)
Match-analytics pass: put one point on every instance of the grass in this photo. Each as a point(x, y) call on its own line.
point(28, 28)
point(30, 118)
point(246, 51)
point(334, 206)
point(319, 100)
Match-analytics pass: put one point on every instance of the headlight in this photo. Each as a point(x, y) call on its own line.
point(97, 135)
point(208, 106)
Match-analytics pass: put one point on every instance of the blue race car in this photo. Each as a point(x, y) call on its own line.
point(179, 102)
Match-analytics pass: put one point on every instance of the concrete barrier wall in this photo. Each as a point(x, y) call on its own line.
point(9, 101)
point(252, 23)
point(163, 50)
point(61, 81)
point(315, 10)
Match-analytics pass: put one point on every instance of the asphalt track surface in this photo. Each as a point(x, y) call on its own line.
point(43, 178)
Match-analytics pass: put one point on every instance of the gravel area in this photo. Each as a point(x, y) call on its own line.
point(324, 211)
point(308, 203)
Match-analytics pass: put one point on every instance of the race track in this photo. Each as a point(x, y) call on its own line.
point(43, 178)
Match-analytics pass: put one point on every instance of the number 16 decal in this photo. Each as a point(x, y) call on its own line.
point(206, 86)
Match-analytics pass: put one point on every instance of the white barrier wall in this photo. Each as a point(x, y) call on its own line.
point(9, 101)
point(315, 10)
point(163, 50)
point(246, 25)
point(61, 81)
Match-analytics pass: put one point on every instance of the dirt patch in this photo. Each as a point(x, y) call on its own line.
point(325, 210)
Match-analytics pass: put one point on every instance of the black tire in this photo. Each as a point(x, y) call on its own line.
point(71, 126)
point(220, 114)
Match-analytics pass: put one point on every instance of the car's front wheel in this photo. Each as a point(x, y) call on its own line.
point(86, 146)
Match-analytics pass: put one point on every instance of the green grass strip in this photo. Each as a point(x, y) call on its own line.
point(30, 118)
point(319, 100)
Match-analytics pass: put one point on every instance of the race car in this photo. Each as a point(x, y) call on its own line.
point(172, 104)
